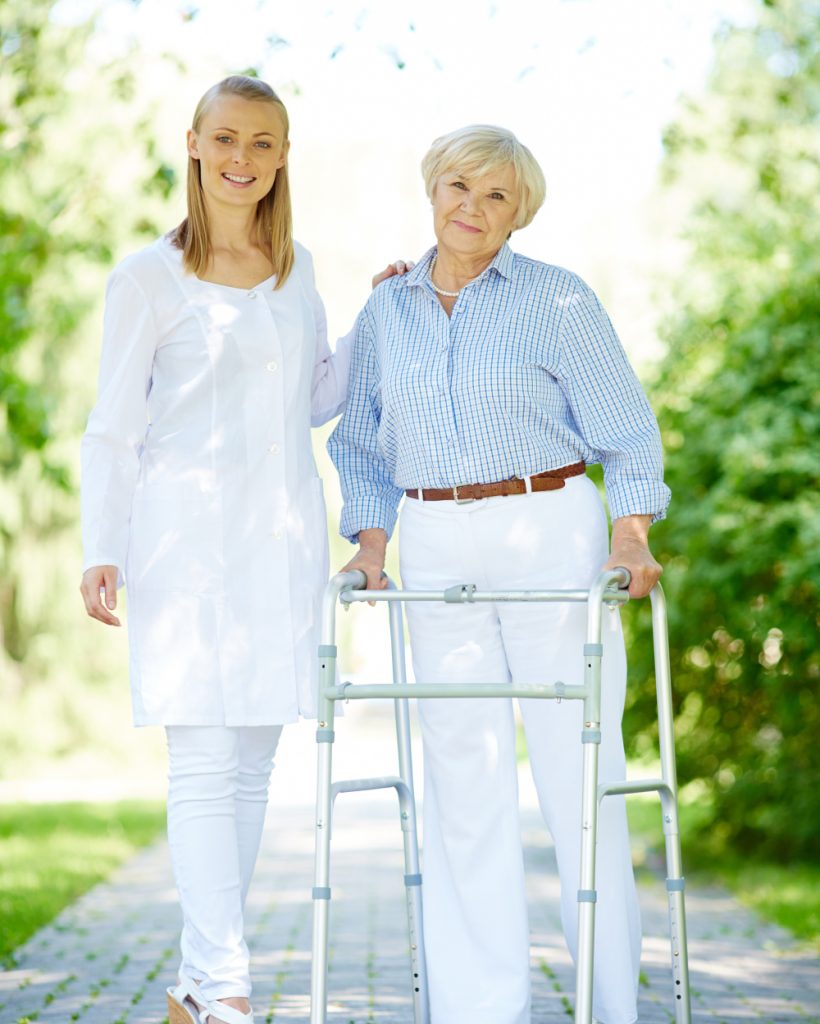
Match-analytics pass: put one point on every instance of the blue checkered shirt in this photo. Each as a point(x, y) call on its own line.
point(526, 375)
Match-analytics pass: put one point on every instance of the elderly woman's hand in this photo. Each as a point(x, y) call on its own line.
point(630, 549)
point(370, 558)
point(400, 267)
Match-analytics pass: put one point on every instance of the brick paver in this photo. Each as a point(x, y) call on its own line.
point(108, 958)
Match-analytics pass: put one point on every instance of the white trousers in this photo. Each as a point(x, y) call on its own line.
point(475, 914)
point(217, 795)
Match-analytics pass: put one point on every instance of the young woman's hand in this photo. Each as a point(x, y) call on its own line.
point(400, 267)
point(100, 579)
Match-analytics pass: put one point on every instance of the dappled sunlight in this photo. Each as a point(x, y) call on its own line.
point(523, 536)
point(459, 663)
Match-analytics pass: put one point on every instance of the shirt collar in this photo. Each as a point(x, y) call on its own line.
point(502, 263)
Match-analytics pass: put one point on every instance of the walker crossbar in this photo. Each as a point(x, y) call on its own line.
point(608, 589)
point(467, 594)
point(403, 791)
point(360, 691)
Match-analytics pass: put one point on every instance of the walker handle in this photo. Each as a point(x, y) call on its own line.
point(353, 579)
point(624, 577)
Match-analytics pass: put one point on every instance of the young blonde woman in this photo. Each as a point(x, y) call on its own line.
point(200, 491)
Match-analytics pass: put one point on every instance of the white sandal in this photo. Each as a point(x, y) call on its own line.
point(184, 1001)
point(223, 1012)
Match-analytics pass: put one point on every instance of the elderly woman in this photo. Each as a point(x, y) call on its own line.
point(482, 383)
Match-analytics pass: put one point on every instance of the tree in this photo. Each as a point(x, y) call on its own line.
point(737, 401)
point(61, 220)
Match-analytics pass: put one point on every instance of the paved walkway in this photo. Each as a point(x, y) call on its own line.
point(108, 958)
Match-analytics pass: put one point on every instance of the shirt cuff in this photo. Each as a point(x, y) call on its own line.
point(639, 498)
point(368, 513)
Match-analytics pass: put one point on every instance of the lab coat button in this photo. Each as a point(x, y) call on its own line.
point(276, 534)
point(274, 448)
point(273, 366)
point(251, 295)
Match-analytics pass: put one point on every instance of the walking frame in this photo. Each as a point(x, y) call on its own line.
point(608, 589)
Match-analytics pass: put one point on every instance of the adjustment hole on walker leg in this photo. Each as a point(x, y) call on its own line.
point(417, 988)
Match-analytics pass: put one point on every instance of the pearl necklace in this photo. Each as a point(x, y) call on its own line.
point(441, 291)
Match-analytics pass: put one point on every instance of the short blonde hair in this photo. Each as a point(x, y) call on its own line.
point(274, 219)
point(480, 149)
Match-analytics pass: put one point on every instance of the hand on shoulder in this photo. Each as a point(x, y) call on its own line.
point(400, 267)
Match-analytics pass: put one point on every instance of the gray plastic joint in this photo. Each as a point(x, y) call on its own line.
point(412, 880)
point(593, 650)
point(328, 650)
point(325, 735)
point(675, 884)
point(321, 892)
point(560, 689)
point(587, 896)
point(460, 593)
point(590, 735)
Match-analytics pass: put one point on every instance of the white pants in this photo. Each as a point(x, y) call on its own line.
point(217, 795)
point(475, 914)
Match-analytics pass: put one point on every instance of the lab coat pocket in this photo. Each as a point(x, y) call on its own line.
point(176, 544)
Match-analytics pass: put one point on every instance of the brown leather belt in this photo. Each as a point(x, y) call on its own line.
point(551, 480)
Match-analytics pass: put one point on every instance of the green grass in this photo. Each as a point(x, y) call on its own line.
point(788, 894)
point(52, 853)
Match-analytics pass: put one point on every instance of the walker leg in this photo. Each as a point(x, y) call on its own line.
point(324, 810)
point(407, 810)
point(587, 894)
point(680, 964)
point(669, 802)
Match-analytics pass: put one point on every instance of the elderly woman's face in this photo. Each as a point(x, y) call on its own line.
point(474, 216)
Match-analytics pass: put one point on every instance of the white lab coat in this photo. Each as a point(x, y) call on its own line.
point(199, 484)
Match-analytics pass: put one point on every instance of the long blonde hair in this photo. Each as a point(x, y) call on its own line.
point(274, 219)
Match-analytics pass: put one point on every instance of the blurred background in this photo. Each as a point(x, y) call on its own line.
point(681, 149)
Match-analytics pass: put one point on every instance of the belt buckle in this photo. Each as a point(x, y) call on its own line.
point(461, 501)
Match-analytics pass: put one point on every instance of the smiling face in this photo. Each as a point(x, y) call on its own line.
point(240, 145)
point(473, 216)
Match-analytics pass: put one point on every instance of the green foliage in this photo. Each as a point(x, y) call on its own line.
point(788, 894)
point(738, 404)
point(69, 164)
point(52, 853)
point(37, 227)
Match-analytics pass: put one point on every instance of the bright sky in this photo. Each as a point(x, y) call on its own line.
point(588, 85)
